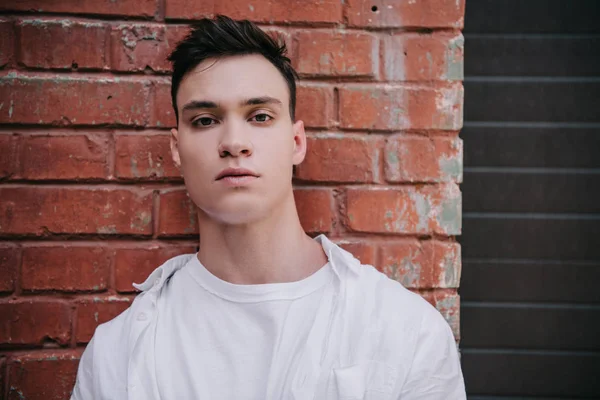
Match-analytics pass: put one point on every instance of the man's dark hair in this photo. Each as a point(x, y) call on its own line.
point(222, 37)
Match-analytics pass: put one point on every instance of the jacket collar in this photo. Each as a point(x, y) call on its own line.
point(338, 257)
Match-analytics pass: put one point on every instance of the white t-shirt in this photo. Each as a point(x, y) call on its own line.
point(347, 332)
point(218, 340)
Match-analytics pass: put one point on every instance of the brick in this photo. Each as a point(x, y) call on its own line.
point(408, 262)
point(447, 260)
point(329, 11)
point(33, 322)
point(315, 209)
point(136, 264)
point(42, 375)
point(9, 160)
point(401, 107)
point(415, 57)
point(92, 313)
point(65, 268)
point(73, 100)
point(422, 264)
point(366, 252)
point(141, 8)
point(139, 46)
point(337, 54)
point(404, 210)
point(406, 13)
point(144, 156)
point(423, 159)
point(7, 42)
point(61, 43)
point(338, 158)
point(314, 105)
point(50, 210)
point(447, 302)
point(446, 206)
point(64, 157)
point(177, 214)
point(10, 259)
point(162, 115)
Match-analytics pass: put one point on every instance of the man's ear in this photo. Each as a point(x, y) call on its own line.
point(299, 143)
point(175, 148)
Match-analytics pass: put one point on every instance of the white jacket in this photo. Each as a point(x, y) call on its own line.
point(377, 341)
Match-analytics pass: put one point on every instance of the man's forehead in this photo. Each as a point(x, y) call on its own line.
point(233, 80)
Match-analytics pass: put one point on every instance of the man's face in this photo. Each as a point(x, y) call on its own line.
point(234, 113)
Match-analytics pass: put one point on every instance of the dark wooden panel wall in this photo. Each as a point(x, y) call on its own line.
point(531, 232)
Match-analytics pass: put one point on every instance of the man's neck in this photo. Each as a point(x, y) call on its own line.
point(272, 250)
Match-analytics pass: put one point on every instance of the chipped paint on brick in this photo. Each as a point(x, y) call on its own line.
point(450, 266)
point(396, 221)
point(394, 58)
point(150, 38)
point(449, 216)
point(448, 103)
point(330, 135)
point(451, 167)
point(157, 170)
point(324, 60)
point(392, 157)
point(107, 211)
point(397, 114)
point(107, 230)
point(134, 167)
point(375, 166)
point(429, 63)
point(410, 272)
point(141, 221)
point(35, 22)
point(423, 207)
point(455, 59)
point(65, 23)
point(448, 306)
point(395, 153)
point(127, 40)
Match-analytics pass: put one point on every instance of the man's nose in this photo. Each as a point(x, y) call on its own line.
point(235, 141)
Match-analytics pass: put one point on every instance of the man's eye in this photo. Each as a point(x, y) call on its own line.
point(204, 121)
point(262, 117)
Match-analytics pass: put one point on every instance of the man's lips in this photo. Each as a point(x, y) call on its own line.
point(236, 172)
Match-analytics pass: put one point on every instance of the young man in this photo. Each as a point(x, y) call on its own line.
point(262, 311)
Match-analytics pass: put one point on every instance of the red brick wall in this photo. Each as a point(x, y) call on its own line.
point(90, 201)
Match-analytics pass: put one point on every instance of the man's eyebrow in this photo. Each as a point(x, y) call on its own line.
point(199, 104)
point(195, 104)
point(253, 101)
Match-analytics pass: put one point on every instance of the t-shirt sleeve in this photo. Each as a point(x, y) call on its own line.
point(435, 372)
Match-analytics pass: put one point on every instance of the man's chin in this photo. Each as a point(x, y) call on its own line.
point(239, 213)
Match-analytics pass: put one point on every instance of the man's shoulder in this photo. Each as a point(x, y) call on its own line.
point(114, 332)
point(376, 295)
point(388, 321)
point(391, 299)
